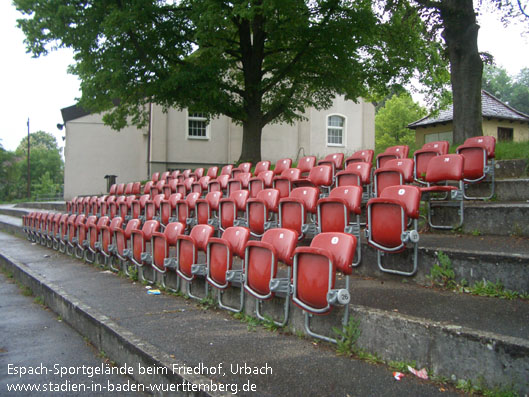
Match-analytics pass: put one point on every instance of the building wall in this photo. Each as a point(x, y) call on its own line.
point(443, 131)
point(520, 130)
point(92, 150)
point(359, 127)
point(490, 128)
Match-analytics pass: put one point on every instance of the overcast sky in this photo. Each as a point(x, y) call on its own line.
point(38, 88)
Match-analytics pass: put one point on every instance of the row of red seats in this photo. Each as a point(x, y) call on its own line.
point(172, 249)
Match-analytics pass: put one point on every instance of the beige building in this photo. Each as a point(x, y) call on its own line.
point(179, 139)
point(499, 120)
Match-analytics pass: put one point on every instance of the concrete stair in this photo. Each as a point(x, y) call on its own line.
point(455, 335)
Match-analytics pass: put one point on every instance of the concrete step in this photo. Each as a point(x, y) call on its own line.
point(456, 336)
point(513, 189)
point(485, 218)
point(473, 259)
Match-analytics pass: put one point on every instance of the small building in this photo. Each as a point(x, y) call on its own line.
point(499, 120)
point(179, 139)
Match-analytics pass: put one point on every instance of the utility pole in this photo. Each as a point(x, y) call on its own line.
point(29, 172)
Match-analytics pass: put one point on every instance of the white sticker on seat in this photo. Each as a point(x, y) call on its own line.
point(402, 192)
point(335, 240)
point(281, 235)
point(399, 163)
point(447, 159)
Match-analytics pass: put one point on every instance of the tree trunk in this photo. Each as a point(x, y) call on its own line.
point(466, 67)
point(251, 141)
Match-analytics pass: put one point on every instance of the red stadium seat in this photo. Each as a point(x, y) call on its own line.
point(392, 152)
point(356, 174)
point(93, 239)
point(422, 156)
point(361, 156)
point(219, 262)
point(479, 154)
point(188, 249)
point(164, 247)
point(315, 274)
point(387, 224)
point(261, 263)
point(281, 165)
point(305, 164)
point(393, 172)
point(440, 171)
point(283, 182)
point(340, 212)
point(262, 210)
point(230, 208)
point(298, 210)
point(262, 181)
point(319, 176)
point(206, 209)
point(141, 247)
point(335, 160)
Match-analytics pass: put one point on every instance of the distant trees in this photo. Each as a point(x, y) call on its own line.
point(513, 90)
point(46, 168)
point(391, 121)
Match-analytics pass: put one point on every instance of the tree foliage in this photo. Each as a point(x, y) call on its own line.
point(513, 90)
point(46, 168)
point(255, 61)
point(392, 120)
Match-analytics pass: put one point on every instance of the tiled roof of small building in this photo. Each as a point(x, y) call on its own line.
point(491, 106)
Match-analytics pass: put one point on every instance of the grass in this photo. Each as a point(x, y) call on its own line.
point(346, 343)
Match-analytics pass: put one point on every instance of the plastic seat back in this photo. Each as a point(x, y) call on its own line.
point(221, 252)
point(283, 183)
point(355, 174)
point(281, 165)
point(361, 156)
point(448, 167)
point(229, 208)
point(260, 182)
point(189, 247)
point(262, 166)
point(204, 208)
point(219, 184)
point(408, 195)
point(305, 164)
point(212, 172)
point(394, 172)
point(315, 269)
point(259, 208)
point(477, 152)
point(335, 160)
point(226, 170)
point(199, 173)
point(262, 257)
point(294, 210)
point(392, 152)
point(128, 189)
point(141, 239)
point(334, 212)
point(162, 242)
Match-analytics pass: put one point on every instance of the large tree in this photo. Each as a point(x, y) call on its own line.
point(456, 21)
point(256, 61)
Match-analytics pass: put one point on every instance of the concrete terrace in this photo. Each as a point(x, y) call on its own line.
point(456, 336)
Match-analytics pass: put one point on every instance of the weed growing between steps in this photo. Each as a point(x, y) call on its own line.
point(442, 275)
point(347, 337)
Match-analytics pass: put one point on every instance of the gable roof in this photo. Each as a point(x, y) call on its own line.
point(491, 107)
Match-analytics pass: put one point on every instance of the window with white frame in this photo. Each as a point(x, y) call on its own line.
point(197, 125)
point(335, 130)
